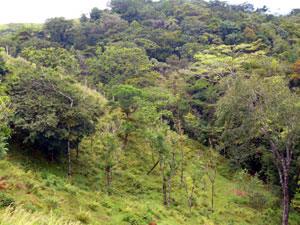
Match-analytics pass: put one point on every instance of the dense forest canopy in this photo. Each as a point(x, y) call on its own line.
point(161, 72)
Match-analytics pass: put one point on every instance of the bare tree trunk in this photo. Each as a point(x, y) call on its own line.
point(212, 179)
point(170, 186)
point(165, 191)
point(69, 159)
point(108, 176)
point(77, 153)
point(182, 162)
point(190, 200)
point(190, 205)
point(189, 195)
point(283, 172)
point(172, 168)
point(212, 193)
point(286, 200)
point(153, 167)
point(92, 141)
point(126, 138)
point(164, 184)
point(52, 156)
point(182, 170)
point(111, 177)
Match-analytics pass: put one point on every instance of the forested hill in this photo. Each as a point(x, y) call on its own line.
point(152, 112)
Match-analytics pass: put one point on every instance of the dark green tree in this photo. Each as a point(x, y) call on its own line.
point(95, 13)
point(58, 30)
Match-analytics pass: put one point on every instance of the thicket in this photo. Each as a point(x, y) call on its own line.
point(224, 75)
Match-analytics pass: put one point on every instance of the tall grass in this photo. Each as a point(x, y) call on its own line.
point(19, 216)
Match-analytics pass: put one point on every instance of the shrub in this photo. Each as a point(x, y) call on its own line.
point(51, 180)
point(52, 202)
point(32, 186)
point(107, 204)
point(93, 206)
point(83, 216)
point(30, 207)
point(137, 220)
point(21, 216)
point(6, 200)
point(70, 189)
point(133, 219)
point(257, 200)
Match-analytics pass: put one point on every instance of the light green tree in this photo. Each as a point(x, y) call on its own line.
point(263, 108)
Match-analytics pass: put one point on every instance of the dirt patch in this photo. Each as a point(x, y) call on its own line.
point(239, 193)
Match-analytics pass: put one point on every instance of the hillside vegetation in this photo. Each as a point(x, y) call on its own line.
point(151, 112)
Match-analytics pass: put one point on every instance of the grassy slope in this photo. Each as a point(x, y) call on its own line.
point(17, 26)
point(40, 186)
point(7, 30)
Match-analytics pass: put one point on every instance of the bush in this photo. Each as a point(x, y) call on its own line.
point(51, 180)
point(133, 219)
point(83, 216)
point(107, 204)
point(137, 220)
point(70, 189)
point(257, 200)
point(6, 200)
point(21, 216)
point(52, 202)
point(93, 206)
point(30, 207)
point(32, 186)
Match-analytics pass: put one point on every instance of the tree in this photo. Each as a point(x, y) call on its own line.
point(126, 97)
point(83, 18)
point(58, 59)
point(95, 13)
point(3, 67)
point(265, 109)
point(211, 171)
point(58, 29)
point(111, 148)
point(129, 9)
point(52, 110)
point(193, 178)
point(5, 110)
point(163, 142)
point(122, 66)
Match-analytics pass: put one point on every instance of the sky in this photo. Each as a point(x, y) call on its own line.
point(37, 11)
point(275, 6)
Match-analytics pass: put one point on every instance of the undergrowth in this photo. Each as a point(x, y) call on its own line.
point(39, 192)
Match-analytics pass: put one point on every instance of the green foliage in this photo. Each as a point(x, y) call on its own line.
point(57, 59)
point(95, 13)
point(296, 200)
point(51, 107)
point(21, 216)
point(172, 70)
point(3, 68)
point(83, 216)
point(6, 200)
point(53, 181)
point(122, 66)
point(52, 202)
point(5, 112)
point(135, 220)
point(93, 206)
point(58, 29)
point(126, 96)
